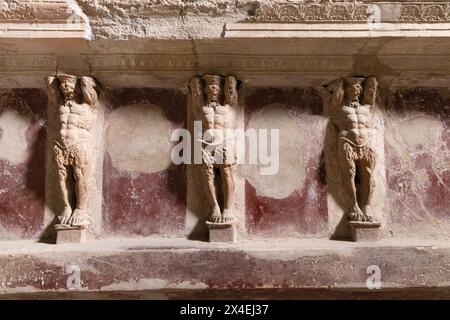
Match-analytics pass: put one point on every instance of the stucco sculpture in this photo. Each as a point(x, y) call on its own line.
point(76, 100)
point(351, 110)
point(215, 99)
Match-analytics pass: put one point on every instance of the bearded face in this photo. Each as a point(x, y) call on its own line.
point(68, 87)
point(353, 91)
point(212, 92)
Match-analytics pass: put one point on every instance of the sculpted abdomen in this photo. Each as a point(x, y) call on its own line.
point(354, 123)
point(75, 123)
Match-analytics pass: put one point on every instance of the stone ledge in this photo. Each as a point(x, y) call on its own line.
point(205, 19)
point(155, 265)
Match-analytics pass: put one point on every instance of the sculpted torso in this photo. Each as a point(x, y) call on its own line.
point(354, 122)
point(219, 118)
point(76, 121)
point(74, 99)
point(352, 108)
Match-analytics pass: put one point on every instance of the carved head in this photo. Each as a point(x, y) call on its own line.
point(212, 87)
point(353, 89)
point(230, 90)
point(68, 85)
point(370, 89)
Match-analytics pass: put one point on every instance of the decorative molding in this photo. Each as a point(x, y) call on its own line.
point(436, 12)
point(321, 11)
point(27, 62)
point(142, 62)
point(416, 62)
point(311, 12)
point(130, 64)
point(208, 62)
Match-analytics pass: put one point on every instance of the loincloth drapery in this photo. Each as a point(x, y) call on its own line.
point(76, 154)
point(223, 154)
point(354, 152)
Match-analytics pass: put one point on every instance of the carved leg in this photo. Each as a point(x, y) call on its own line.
point(65, 192)
point(348, 171)
point(215, 215)
point(82, 173)
point(83, 180)
point(367, 166)
point(367, 187)
point(228, 187)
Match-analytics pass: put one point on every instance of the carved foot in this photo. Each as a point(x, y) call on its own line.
point(64, 217)
point(215, 217)
point(368, 213)
point(227, 215)
point(79, 218)
point(355, 214)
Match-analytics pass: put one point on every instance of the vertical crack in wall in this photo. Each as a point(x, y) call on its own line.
point(194, 47)
point(76, 9)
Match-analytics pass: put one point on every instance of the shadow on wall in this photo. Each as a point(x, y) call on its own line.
point(23, 180)
point(334, 181)
point(199, 208)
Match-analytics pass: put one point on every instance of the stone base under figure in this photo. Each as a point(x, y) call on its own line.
point(222, 232)
point(69, 234)
point(365, 231)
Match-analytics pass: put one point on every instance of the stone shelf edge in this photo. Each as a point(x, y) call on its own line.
point(154, 264)
point(335, 30)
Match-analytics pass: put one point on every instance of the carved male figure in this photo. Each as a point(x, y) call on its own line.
point(351, 110)
point(75, 99)
point(218, 115)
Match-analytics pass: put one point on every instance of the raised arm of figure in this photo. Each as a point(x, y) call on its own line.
point(336, 90)
point(196, 93)
point(230, 91)
point(370, 91)
point(53, 92)
point(90, 89)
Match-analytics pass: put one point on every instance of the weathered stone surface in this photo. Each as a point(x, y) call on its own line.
point(365, 231)
point(222, 232)
point(70, 235)
point(152, 265)
point(283, 53)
